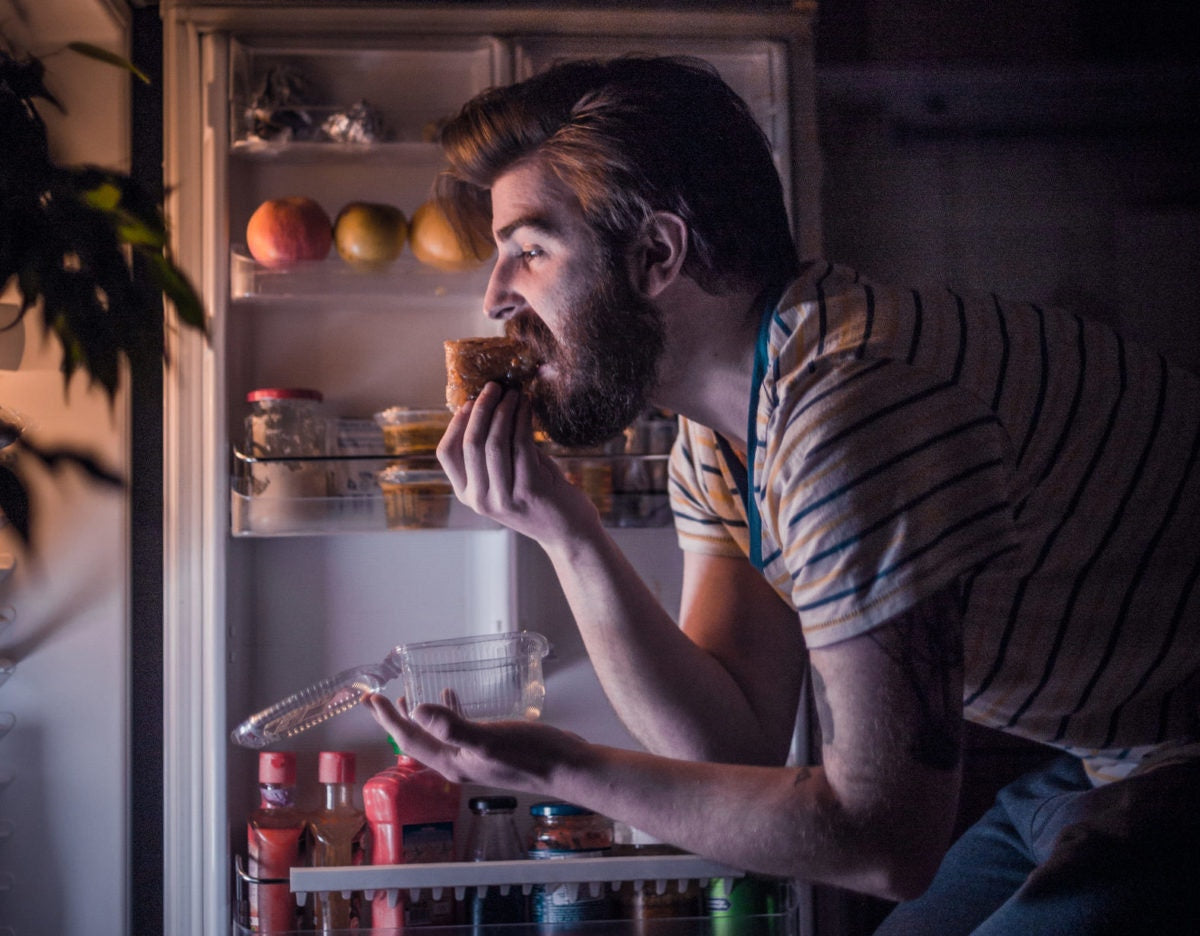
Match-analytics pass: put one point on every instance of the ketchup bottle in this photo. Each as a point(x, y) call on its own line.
point(274, 832)
point(411, 811)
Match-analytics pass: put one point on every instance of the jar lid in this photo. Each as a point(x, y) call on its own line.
point(558, 809)
point(483, 804)
point(283, 393)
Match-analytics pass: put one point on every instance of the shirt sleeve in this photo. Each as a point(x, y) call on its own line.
point(883, 485)
point(709, 515)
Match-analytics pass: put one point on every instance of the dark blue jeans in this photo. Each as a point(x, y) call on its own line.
point(1057, 857)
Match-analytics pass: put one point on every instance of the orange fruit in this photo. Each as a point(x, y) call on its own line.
point(434, 242)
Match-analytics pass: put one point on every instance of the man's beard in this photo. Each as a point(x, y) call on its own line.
point(605, 364)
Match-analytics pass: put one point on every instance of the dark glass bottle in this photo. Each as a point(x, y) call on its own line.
point(493, 836)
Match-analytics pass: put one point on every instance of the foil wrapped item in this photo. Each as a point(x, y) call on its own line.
point(279, 110)
point(361, 123)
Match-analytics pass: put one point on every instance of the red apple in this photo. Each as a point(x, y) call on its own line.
point(284, 230)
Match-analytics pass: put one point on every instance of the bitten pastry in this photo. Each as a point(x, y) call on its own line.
point(473, 362)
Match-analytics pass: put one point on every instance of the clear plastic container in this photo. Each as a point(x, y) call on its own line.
point(491, 677)
point(411, 430)
point(415, 498)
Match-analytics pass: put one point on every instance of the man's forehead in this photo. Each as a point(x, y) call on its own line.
point(528, 195)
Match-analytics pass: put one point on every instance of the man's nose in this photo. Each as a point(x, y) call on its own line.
point(500, 302)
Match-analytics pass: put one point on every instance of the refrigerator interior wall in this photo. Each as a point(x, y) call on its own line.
point(301, 608)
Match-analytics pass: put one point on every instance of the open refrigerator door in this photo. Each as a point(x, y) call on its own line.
point(287, 565)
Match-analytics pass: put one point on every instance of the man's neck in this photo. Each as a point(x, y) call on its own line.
point(707, 371)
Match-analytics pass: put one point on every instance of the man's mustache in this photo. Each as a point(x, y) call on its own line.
point(533, 333)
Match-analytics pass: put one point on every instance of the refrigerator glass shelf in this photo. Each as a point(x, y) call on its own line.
point(291, 496)
point(326, 152)
point(405, 281)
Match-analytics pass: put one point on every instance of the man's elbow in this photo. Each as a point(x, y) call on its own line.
point(907, 879)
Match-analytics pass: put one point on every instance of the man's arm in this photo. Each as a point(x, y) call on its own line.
point(875, 816)
point(726, 690)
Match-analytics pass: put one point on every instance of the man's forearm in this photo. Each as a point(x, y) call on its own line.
point(672, 695)
point(784, 821)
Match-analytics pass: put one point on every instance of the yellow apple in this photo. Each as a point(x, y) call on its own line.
point(369, 235)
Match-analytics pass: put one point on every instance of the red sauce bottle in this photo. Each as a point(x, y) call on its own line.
point(411, 811)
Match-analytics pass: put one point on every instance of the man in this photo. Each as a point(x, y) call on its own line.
point(932, 503)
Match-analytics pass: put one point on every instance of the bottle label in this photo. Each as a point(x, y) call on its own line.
point(428, 841)
point(562, 903)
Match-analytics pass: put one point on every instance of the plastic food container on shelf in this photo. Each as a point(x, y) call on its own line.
point(497, 676)
point(412, 430)
point(415, 498)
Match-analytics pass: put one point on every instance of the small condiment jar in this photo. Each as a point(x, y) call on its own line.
point(565, 831)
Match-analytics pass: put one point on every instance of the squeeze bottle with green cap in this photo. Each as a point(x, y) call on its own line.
point(337, 830)
point(274, 832)
point(411, 811)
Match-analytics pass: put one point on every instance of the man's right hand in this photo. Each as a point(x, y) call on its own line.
point(497, 470)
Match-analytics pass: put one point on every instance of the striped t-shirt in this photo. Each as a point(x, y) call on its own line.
point(903, 442)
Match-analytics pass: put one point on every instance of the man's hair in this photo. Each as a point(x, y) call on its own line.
point(632, 136)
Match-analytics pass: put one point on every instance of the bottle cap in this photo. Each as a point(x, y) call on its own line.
point(484, 804)
point(277, 767)
point(558, 809)
point(335, 767)
point(283, 393)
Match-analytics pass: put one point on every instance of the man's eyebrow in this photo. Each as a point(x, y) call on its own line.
point(539, 222)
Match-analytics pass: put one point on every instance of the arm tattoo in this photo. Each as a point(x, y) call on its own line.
point(926, 643)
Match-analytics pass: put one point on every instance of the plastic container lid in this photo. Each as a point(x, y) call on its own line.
point(316, 704)
point(283, 393)
point(558, 809)
point(483, 804)
point(277, 767)
point(335, 767)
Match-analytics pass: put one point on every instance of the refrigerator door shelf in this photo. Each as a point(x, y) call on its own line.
point(338, 494)
point(405, 283)
point(287, 496)
point(458, 875)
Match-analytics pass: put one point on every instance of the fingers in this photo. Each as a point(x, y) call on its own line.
point(476, 451)
point(451, 701)
point(410, 734)
point(450, 448)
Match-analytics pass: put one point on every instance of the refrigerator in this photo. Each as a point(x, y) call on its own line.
point(264, 595)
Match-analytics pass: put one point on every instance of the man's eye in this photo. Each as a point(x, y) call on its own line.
point(530, 253)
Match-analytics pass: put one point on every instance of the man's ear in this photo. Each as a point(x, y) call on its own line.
point(659, 253)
